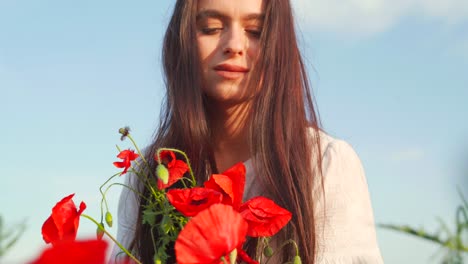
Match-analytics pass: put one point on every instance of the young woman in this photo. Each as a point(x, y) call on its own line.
point(237, 90)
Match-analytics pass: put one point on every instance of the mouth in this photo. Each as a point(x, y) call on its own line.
point(230, 71)
point(230, 67)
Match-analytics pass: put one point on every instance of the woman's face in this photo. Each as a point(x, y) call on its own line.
point(228, 38)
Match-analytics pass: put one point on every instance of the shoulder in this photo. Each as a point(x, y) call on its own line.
point(343, 209)
point(339, 156)
point(336, 154)
point(345, 189)
point(343, 177)
point(335, 147)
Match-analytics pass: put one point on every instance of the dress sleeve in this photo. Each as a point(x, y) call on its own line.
point(127, 214)
point(344, 217)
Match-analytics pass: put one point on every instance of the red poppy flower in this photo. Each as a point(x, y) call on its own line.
point(177, 168)
point(230, 183)
point(127, 157)
point(210, 235)
point(265, 217)
point(74, 252)
point(62, 224)
point(194, 200)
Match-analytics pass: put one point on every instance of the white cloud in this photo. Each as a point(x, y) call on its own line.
point(373, 16)
point(451, 11)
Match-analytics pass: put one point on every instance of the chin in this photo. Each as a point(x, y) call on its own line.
point(227, 93)
point(222, 100)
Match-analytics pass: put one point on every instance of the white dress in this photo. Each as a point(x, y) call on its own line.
point(347, 231)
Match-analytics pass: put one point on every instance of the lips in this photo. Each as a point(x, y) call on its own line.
point(230, 71)
point(230, 68)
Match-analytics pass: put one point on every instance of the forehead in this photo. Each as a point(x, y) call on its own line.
point(232, 8)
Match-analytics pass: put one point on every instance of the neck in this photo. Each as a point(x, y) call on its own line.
point(230, 135)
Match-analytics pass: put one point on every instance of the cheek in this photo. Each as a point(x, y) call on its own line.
point(206, 49)
point(254, 50)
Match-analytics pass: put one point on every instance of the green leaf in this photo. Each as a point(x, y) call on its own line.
point(166, 224)
point(149, 217)
point(10, 238)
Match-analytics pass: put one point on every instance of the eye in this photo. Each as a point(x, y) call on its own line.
point(254, 32)
point(211, 30)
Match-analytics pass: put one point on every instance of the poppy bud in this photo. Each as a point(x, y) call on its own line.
point(268, 251)
point(233, 256)
point(163, 173)
point(157, 260)
point(297, 260)
point(109, 219)
point(124, 131)
point(100, 231)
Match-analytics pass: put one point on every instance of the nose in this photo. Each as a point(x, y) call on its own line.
point(235, 42)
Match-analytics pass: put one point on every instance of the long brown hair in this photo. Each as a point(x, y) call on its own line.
point(284, 127)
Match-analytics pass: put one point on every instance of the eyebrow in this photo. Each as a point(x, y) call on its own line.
point(210, 13)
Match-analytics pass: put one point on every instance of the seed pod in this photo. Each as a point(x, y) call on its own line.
point(268, 251)
point(162, 173)
point(297, 260)
point(109, 219)
point(124, 131)
point(100, 231)
point(233, 256)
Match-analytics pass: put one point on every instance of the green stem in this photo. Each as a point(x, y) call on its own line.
point(103, 194)
point(447, 243)
point(258, 251)
point(265, 243)
point(154, 241)
point(128, 187)
point(223, 259)
point(144, 178)
point(285, 243)
point(112, 238)
point(142, 156)
point(137, 149)
point(461, 224)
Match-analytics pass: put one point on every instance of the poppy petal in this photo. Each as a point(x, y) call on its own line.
point(176, 168)
point(231, 183)
point(245, 257)
point(211, 234)
point(194, 200)
point(123, 154)
point(127, 157)
point(74, 252)
point(119, 164)
point(168, 157)
point(264, 216)
point(237, 174)
point(223, 184)
point(63, 223)
point(50, 231)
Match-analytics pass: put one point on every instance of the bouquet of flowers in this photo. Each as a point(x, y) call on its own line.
point(206, 223)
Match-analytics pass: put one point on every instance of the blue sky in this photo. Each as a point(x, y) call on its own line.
point(390, 77)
